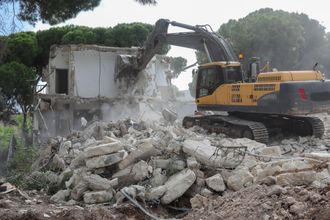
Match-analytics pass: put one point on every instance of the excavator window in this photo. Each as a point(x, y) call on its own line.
point(209, 79)
point(233, 74)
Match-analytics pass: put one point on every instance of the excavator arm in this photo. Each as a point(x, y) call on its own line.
point(199, 38)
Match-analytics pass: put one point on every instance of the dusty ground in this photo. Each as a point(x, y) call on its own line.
point(255, 202)
point(15, 207)
point(263, 202)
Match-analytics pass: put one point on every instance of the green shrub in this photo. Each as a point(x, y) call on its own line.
point(5, 134)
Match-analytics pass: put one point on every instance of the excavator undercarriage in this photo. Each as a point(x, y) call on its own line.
point(259, 127)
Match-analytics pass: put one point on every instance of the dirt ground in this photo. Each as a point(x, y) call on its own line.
point(264, 202)
point(255, 202)
point(15, 207)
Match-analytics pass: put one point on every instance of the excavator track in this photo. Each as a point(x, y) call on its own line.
point(258, 127)
point(232, 126)
point(314, 126)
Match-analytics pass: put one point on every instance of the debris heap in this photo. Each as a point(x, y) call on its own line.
point(111, 162)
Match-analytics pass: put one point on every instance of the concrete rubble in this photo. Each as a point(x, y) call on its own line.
point(164, 162)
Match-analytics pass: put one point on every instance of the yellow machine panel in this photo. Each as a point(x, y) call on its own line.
point(241, 94)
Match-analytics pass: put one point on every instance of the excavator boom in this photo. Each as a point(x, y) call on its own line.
point(198, 38)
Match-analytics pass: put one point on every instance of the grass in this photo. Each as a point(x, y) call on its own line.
point(19, 167)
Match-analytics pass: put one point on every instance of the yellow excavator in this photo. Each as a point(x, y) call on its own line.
point(257, 104)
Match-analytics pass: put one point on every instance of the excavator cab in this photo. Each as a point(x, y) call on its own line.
point(212, 75)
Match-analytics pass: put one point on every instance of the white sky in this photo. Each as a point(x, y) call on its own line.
point(213, 12)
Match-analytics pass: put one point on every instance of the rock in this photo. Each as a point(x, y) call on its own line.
point(248, 162)
point(271, 151)
point(97, 197)
point(78, 191)
point(296, 179)
point(268, 181)
point(198, 201)
point(323, 176)
point(161, 163)
point(276, 190)
point(192, 163)
point(156, 193)
point(64, 149)
point(132, 174)
point(325, 156)
point(114, 182)
point(76, 145)
point(206, 192)
point(97, 183)
point(240, 179)
point(216, 183)
point(295, 165)
point(60, 196)
point(290, 200)
point(169, 115)
point(177, 165)
point(78, 161)
point(143, 152)
point(57, 164)
point(297, 208)
point(268, 171)
point(105, 160)
point(64, 176)
point(315, 197)
point(119, 197)
point(71, 202)
point(174, 147)
point(177, 185)
point(158, 178)
point(103, 149)
point(134, 191)
point(88, 143)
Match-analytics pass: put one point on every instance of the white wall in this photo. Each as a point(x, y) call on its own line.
point(94, 73)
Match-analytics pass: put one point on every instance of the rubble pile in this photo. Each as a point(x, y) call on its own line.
point(159, 164)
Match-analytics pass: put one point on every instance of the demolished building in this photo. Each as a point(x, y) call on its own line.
point(83, 86)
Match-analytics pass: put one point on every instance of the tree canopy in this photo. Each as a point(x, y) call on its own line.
point(54, 11)
point(288, 41)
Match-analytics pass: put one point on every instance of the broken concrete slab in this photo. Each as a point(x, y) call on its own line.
point(103, 149)
point(325, 156)
point(296, 178)
point(267, 171)
point(132, 173)
point(271, 151)
point(78, 191)
point(156, 193)
point(105, 160)
point(202, 151)
point(192, 163)
point(158, 178)
point(57, 164)
point(177, 185)
point(142, 152)
point(241, 178)
point(216, 183)
point(60, 196)
point(98, 197)
point(96, 182)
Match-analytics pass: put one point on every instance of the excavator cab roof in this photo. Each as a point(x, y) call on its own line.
point(222, 64)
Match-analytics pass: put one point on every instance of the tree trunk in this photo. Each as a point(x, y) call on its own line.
point(24, 129)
